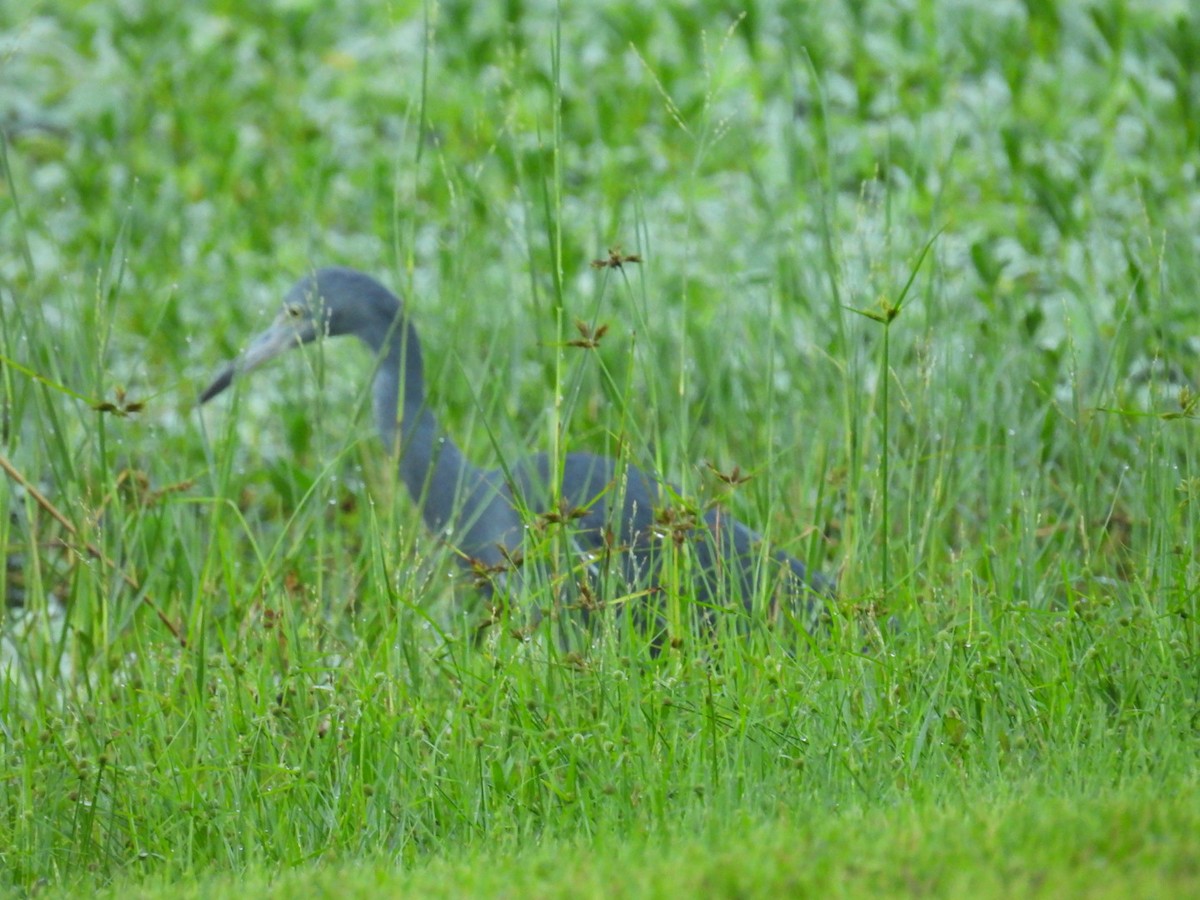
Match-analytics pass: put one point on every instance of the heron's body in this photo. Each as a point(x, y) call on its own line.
point(612, 511)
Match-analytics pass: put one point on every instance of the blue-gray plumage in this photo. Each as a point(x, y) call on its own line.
point(615, 512)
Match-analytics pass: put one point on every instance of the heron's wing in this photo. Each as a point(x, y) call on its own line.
point(620, 523)
point(606, 513)
point(737, 565)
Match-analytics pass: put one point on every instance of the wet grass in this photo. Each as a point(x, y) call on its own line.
point(927, 276)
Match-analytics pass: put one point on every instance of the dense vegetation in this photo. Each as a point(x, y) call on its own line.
point(926, 271)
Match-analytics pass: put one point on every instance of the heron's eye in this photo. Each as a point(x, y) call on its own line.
point(293, 312)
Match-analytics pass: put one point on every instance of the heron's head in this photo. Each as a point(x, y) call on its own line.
point(327, 303)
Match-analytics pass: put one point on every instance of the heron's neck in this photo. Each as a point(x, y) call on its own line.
point(431, 464)
point(399, 389)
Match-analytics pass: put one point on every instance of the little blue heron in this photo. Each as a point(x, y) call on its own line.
point(620, 519)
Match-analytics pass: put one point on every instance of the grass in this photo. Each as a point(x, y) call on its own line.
point(1099, 846)
point(999, 455)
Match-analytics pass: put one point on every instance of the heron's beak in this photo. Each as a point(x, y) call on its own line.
point(282, 336)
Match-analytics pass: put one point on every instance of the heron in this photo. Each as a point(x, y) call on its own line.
point(623, 525)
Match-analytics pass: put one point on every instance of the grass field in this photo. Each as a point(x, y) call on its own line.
point(927, 272)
